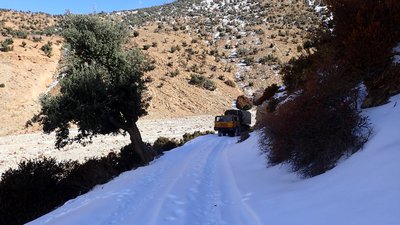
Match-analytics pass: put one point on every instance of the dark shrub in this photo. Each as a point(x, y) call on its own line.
point(187, 137)
point(127, 159)
point(248, 61)
point(165, 144)
point(174, 73)
point(268, 93)
point(202, 81)
point(272, 104)
point(295, 72)
point(268, 58)
point(374, 31)
point(47, 49)
point(87, 175)
point(6, 45)
point(31, 190)
point(146, 47)
point(382, 87)
point(313, 130)
point(23, 34)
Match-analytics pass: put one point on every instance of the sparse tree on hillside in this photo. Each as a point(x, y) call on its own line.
point(102, 91)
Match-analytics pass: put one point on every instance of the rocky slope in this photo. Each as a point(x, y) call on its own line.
point(238, 46)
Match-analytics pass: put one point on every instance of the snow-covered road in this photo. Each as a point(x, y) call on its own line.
point(193, 185)
point(213, 180)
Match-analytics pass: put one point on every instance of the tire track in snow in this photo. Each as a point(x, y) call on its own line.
point(147, 202)
point(190, 185)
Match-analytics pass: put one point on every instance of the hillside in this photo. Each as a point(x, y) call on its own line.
point(214, 180)
point(240, 48)
point(26, 73)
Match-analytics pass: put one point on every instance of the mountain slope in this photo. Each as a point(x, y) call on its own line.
point(213, 180)
point(238, 45)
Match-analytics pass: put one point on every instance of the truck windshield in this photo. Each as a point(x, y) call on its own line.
point(226, 118)
point(219, 119)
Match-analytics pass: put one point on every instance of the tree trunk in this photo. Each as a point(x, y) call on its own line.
point(136, 138)
point(138, 145)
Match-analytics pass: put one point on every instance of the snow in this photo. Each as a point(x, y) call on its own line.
point(214, 180)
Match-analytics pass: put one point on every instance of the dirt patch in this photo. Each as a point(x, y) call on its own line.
point(25, 72)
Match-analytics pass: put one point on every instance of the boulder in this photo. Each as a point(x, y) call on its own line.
point(244, 103)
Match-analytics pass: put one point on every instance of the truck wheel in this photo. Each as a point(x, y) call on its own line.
point(219, 133)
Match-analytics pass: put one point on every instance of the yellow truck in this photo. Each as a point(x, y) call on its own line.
point(233, 122)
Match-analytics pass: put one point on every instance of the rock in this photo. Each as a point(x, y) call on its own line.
point(244, 103)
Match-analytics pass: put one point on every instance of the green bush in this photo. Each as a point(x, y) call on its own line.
point(47, 49)
point(189, 136)
point(175, 48)
point(6, 45)
point(23, 34)
point(203, 82)
point(146, 47)
point(165, 144)
point(174, 73)
point(249, 61)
